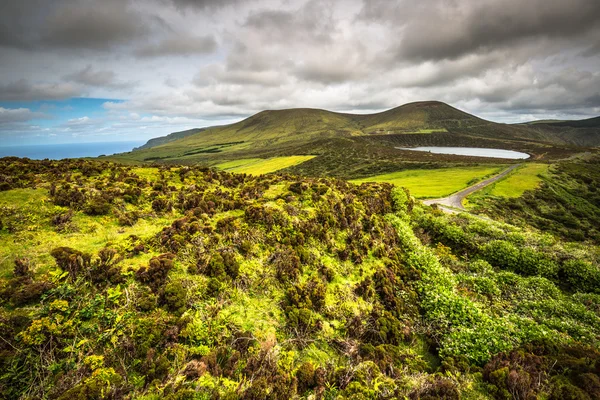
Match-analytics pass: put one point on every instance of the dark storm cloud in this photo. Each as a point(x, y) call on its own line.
point(23, 90)
point(70, 24)
point(179, 45)
point(451, 29)
point(94, 25)
point(18, 21)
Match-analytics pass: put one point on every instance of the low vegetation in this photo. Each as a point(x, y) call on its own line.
point(565, 203)
point(194, 283)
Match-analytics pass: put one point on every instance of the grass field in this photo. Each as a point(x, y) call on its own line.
point(259, 166)
point(521, 180)
point(30, 211)
point(434, 183)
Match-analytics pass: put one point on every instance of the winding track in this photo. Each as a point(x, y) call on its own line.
point(453, 203)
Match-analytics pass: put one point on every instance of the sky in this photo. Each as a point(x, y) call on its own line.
point(124, 70)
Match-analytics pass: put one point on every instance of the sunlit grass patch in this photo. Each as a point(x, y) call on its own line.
point(432, 183)
point(261, 166)
point(237, 163)
point(521, 180)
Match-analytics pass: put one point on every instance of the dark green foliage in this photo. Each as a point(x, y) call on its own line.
point(22, 268)
point(437, 387)
point(145, 299)
point(67, 196)
point(105, 269)
point(62, 219)
point(569, 372)
point(581, 276)
point(384, 328)
point(305, 374)
point(525, 261)
point(302, 322)
point(309, 295)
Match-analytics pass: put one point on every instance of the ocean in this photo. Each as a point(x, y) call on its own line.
point(69, 150)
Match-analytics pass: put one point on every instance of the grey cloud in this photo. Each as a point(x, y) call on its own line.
point(448, 30)
point(94, 25)
point(329, 72)
point(103, 78)
point(12, 115)
point(23, 90)
point(19, 19)
point(179, 45)
point(312, 23)
point(203, 4)
point(69, 24)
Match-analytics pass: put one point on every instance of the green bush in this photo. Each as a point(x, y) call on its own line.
point(581, 276)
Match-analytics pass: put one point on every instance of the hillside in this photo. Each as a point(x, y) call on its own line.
point(190, 283)
point(356, 140)
point(169, 138)
point(585, 132)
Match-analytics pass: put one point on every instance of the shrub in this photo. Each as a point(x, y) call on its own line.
point(155, 275)
point(72, 261)
point(161, 204)
point(105, 269)
point(97, 205)
point(174, 297)
point(222, 265)
point(309, 295)
point(581, 276)
point(305, 374)
point(287, 264)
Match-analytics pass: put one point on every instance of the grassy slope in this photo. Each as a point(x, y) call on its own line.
point(434, 183)
point(565, 202)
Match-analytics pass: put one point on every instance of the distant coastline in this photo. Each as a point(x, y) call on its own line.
point(68, 150)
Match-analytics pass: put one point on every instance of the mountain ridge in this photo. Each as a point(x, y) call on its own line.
point(416, 117)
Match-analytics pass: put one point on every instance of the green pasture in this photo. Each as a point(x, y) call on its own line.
point(259, 166)
point(433, 183)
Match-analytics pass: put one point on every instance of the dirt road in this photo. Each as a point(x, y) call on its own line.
point(453, 203)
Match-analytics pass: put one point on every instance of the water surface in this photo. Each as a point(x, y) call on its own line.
point(471, 151)
point(68, 150)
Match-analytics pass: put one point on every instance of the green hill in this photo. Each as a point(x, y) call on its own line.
point(352, 145)
point(306, 124)
point(272, 129)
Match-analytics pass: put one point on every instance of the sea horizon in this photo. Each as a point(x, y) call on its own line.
point(59, 151)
